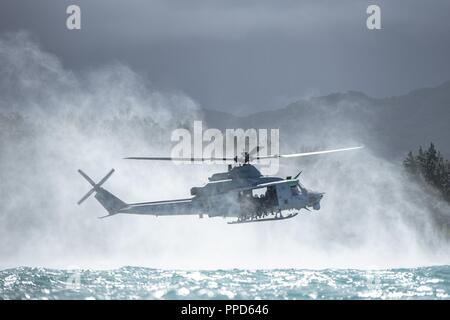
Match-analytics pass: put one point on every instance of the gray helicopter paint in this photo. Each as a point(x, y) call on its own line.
point(238, 177)
point(216, 204)
point(227, 194)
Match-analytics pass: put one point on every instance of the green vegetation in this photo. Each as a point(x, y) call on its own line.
point(430, 166)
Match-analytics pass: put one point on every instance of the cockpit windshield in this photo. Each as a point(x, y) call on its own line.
point(295, 190)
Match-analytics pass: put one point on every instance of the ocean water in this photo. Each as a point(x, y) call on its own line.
point(146, 283)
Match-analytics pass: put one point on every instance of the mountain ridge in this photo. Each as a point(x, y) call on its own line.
point(393, 124)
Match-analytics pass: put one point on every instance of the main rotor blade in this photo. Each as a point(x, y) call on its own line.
point(255, 150)
point(239, 159)
point(179, 159)
point(305, 154)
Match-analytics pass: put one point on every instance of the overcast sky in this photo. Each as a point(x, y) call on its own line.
point(243, 56)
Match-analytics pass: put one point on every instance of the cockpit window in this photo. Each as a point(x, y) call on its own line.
point(295, 190)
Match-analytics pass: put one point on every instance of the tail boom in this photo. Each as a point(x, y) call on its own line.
point(179, 207)
point(114, 205)
point(110, 202)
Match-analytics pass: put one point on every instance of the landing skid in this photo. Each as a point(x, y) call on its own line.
point(291, 215)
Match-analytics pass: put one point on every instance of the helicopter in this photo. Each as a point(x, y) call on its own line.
point(241, 192)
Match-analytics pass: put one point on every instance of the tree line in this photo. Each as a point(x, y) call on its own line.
point(430, 166)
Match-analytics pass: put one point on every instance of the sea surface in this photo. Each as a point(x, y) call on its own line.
point(147, 283)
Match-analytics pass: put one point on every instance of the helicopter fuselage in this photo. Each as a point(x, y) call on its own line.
point(241, 192)
point(242, 196)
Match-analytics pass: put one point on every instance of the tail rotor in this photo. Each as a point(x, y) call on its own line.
point(95, 186)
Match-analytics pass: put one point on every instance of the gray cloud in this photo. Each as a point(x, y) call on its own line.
point(250, 55)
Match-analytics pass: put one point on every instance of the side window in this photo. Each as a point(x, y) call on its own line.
point(294, 190)
point(259, 193)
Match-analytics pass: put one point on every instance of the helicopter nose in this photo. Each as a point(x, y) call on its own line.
point(314, 196)
point(314, 199)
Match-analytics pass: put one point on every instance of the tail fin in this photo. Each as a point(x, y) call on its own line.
point(109, 201)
